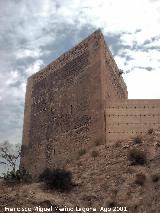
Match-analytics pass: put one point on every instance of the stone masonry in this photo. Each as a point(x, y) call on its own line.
point(78, 99)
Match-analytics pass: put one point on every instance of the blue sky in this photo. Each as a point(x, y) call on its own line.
point(34, 32)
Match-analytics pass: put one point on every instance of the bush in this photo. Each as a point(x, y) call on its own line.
point(137, 140)
point(98, 142)
point(137, 157)
point(18, 176)
point(94, 153)
point(57, 179)
point(82, 152)
point(155, 178)
point(110, 203)
point(118, 143)
point(150, 131)
point(140, 179)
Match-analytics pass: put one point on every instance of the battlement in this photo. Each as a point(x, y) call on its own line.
point(131, 118)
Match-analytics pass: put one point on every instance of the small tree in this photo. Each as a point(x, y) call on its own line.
point(137, 140)
point(137, 157)
point(9, 154)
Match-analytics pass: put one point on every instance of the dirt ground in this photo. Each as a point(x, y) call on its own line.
point(106, 180)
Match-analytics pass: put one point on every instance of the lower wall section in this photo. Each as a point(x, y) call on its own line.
point(132, 118)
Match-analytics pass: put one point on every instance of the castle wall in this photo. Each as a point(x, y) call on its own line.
point(114, 86)
point(64, 110)
point(76, 100)
point(131, 118)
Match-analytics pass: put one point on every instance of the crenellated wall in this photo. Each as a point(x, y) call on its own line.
point(131, 118)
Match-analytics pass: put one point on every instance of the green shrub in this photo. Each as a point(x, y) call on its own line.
point(118, 143)
point(137, 157)
point(57, 179)
point(150, 131)
point(137, 140)
point(17, 176)
point(94, 153)
point(110, 203)
point(155, 178)
point(82, 152)
point(140, 179)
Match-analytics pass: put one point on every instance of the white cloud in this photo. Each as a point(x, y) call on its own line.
point(13, 77)
point(113, 15)
point(24, 53)
point(7, 80)
point(35, 67)
point(142, 84)
point(139, 59)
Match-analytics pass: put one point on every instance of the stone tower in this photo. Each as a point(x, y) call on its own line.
point(77, 100)
point(65, 105)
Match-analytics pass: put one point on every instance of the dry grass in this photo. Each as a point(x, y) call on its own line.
point(107, 181)
point(140, 179)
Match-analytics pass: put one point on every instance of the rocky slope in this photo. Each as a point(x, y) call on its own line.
point(108, 176)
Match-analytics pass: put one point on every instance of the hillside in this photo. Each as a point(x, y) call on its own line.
point(104, 177)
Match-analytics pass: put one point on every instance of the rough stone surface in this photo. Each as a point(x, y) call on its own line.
point(74, 102)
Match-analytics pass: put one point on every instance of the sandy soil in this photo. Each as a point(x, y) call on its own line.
point(105, 178)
